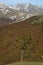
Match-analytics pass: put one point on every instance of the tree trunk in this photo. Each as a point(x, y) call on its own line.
point(22, 54)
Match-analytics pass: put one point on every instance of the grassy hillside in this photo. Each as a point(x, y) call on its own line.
point(27, 63)
point(26, 35)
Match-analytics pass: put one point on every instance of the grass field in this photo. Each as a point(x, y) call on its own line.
point(27, 63)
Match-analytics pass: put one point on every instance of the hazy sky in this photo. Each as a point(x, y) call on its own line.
point(11, 2)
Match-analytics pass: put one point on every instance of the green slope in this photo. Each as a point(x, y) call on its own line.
point(27, 63)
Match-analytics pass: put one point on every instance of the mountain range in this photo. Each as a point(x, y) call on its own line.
point(19, 12)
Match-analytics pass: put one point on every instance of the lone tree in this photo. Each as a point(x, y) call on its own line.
point(24, 42)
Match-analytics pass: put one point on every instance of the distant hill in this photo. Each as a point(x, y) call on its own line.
point(29, 32)
point(5, 21)
point(20, 12)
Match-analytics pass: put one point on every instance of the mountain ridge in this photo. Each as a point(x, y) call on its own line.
point(20, 12)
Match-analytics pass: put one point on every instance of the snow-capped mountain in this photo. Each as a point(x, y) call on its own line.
point(29, 8)
point(13, 12)
point(22, 7)
point(19, 12)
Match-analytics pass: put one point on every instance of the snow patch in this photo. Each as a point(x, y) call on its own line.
point(22, 17)
point(7, 11)
point(13, 17)
point(22, 14)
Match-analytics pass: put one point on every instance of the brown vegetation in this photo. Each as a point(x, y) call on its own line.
point(14, 35)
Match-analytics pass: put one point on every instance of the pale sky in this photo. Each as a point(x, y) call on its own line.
point(12, 2)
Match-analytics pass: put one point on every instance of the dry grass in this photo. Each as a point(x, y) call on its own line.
point(10, 44)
